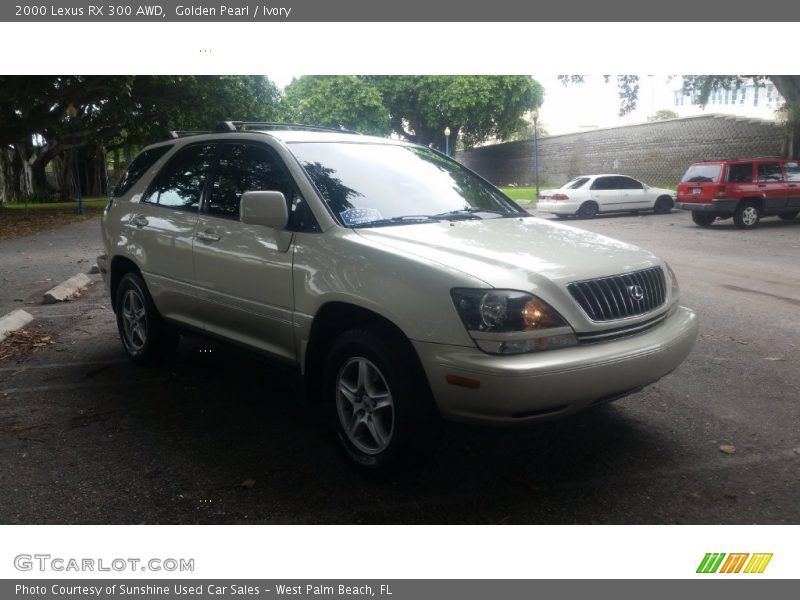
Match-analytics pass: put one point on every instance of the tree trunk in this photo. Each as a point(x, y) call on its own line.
point(7, 191)
point(24, 173)
point(789, 88)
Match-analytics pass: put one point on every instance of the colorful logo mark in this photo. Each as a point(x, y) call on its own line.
point(734, 563)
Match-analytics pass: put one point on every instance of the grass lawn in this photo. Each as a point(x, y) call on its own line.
point(17, 220)
point(526, 195)
point(72, 204)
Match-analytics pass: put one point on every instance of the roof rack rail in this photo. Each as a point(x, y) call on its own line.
point(247, 125)
point(179, 133)
point(234, 126)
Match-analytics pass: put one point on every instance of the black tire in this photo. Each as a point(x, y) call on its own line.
point(385, 414)
point(789, 216)
point(703, 219)
point(747, 215)
point(146, 338)
point(663, 205)
point(588, 210)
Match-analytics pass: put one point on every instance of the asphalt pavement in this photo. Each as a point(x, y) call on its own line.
point(219, 436)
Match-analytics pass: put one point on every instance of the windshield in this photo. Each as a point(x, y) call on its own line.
point(702, 174)
point(369, 185)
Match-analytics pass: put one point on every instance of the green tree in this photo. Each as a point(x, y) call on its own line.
point(475, 108)
point(36, 131)
point(340, 101)
point(663, 115)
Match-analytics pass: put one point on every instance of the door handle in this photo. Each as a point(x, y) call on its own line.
point(207, 236)
point(140, 221)
point(762, 185)
point(792, 185)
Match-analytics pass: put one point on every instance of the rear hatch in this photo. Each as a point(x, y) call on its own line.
point(700, 182)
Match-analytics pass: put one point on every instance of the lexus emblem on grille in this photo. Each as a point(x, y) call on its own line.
point(636, 292)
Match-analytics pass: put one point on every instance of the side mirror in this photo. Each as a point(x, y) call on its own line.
point(264, 208)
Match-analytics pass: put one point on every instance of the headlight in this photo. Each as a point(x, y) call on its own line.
point(511, 322)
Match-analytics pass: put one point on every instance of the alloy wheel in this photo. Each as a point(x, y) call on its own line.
point(365, 406)
point(134, 320)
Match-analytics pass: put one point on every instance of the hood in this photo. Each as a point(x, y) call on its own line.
point(516, 253)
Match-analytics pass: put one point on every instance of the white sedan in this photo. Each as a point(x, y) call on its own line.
point(588, 195)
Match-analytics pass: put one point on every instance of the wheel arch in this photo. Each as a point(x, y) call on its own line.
point(120, 266)
point(333, 319)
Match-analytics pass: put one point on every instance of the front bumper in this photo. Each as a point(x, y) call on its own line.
point(554, 383)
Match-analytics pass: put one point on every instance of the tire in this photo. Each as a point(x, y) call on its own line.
point(703, 219)
point(790, 216)
point(663, 205)
point(747, 215)
point(146, 338)
point(587, 210)
point(380, 401)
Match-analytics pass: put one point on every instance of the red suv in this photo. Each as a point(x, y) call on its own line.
point(745, 189)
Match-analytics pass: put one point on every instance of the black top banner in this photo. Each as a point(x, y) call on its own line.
point(405, 11)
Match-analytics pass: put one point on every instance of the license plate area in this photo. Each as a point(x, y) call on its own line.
point(696, 191)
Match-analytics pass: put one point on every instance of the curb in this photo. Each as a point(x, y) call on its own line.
point(14, 320)
point(63, 291)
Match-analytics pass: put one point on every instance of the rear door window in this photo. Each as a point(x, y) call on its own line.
point(180, 183)
point(792, 171)
point(626, 183)
point(604, 183)
point(740, 173)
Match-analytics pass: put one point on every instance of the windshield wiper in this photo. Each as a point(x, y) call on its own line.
point(401, 220)
point(468, 213)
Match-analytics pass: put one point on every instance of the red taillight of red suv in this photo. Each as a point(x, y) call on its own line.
point(719, 191)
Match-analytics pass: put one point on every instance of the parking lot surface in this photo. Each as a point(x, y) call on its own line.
point(219, 436)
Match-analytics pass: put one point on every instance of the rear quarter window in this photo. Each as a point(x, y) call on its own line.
point(138, 167)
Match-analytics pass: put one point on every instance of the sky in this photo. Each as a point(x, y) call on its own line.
point(565, 109)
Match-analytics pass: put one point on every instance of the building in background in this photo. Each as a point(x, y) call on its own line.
point(750, 100)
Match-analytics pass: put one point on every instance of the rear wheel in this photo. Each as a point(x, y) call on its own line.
point(588, 210)
point(663, 205)
point(146, 338)
point(703, 219)
point(384, 411)
point(789, 216)
point(747, 215)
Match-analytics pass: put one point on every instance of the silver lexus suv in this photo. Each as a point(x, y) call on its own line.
point(403, 286)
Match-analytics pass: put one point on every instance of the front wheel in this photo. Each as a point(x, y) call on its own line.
point(747, 215)
point(381, 400)
point(703, 219)
point(146, 338)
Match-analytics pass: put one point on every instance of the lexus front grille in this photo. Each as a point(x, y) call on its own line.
point(621, 296)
